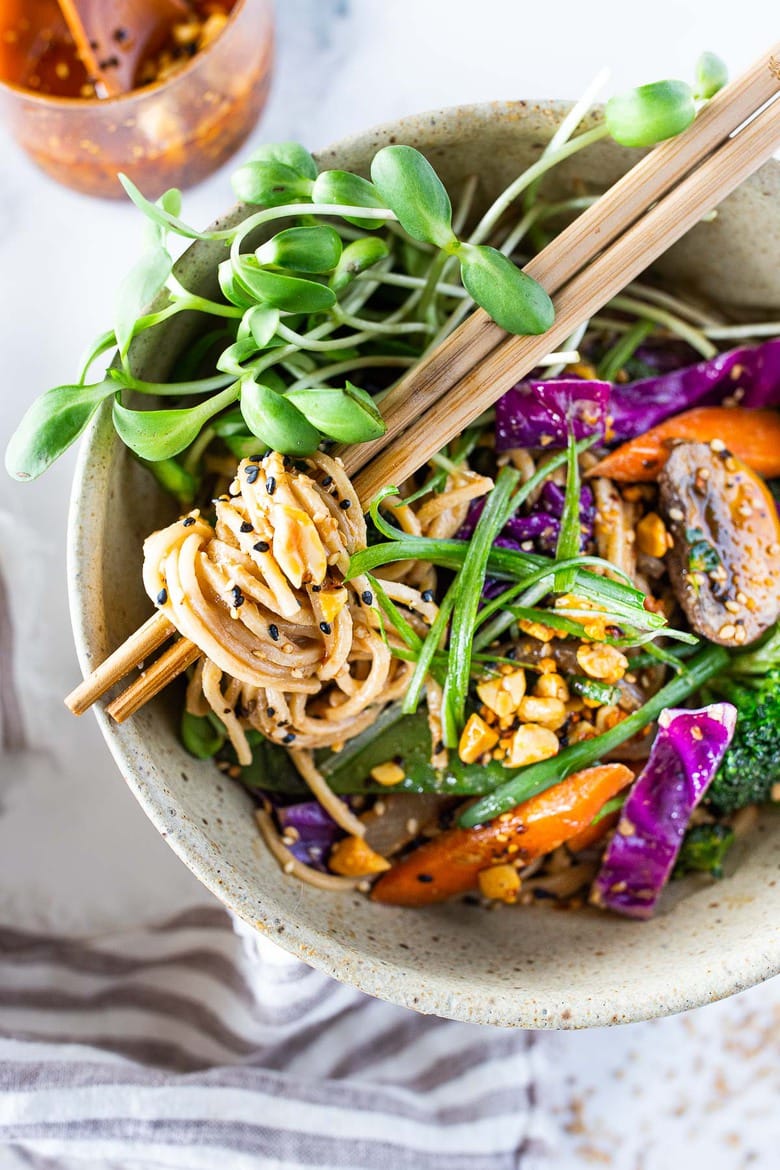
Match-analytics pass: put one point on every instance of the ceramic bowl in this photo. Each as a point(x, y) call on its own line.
point(530, 967)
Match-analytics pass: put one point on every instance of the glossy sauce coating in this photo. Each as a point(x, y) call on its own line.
point(725, 560)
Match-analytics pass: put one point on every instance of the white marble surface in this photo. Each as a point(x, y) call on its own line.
point(76, 853)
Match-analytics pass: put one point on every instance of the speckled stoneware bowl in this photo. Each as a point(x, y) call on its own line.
point(525, 968)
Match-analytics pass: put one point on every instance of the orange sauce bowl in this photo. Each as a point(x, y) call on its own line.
point(170, 133)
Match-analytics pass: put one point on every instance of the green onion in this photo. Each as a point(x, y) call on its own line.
point(605, 694)
point(615, 359)
point(467, 589)
point(425, 657)
point(528, 781)
point(569, 536)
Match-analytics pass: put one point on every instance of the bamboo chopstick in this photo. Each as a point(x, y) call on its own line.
point(616, 267)
point(163, 670)
point(577, 245)
point(125, 658)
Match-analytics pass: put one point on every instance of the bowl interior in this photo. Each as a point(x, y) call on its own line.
point(528, 968)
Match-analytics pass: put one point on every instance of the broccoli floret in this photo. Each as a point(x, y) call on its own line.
point(704, 850)
point(751, 765)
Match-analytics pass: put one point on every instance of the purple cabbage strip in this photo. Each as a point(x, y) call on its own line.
point(535, 414)
point(539, 414)
point(317, 831)
point(683, 760)
point(750, 374)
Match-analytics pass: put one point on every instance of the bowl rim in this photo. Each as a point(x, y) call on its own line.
point(395, 982)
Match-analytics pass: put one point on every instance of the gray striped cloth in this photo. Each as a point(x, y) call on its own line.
point(196, 1045)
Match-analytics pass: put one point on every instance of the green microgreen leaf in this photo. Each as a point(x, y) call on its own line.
point(357, 257)
point(344, 189)
point(650, 113)
point(270, 184)
point(232, 289)
point(159, 215)
point(290, 154)
point(260, 323)
point(409, 186)
point(526, 782)
point(711, 75)
point(138, 289)
point(513, 299)
point(161, 434)
point(50, 425)
point(302, 249)
point(289, 293)
point(274, 419)
point(349, 415)
point(231, 360)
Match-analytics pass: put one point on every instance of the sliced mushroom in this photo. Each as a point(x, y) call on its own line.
point(725, 561)
point(403, 816)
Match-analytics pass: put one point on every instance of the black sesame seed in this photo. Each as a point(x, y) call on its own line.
point(270, 485)
point(238, 597)
point(439, 747)
point(368, 597)
point(299, 465)
point(424, 877)
point(427, 595)
point(255, 458)
point(327, 481)
point(270, 712)
point(316, 588)
point(325, 627)
point(120, 35)
point(162, 597)
point(345, 504)
point(252, 473)
point(246, 526)
point(188, 521)
point(289, 738)
point(274, 632)
point(261, 546)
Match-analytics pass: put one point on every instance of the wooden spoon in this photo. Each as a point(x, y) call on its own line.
point(113, 39)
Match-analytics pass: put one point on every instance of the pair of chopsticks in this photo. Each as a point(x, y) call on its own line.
point(607, 247)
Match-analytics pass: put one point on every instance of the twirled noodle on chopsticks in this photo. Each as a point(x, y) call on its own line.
point(291, 648)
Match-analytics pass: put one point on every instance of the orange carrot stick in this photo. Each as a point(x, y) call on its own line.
point(752, 435)
point(449, 864)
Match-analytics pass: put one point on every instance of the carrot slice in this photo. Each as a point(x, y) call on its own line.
point(449, 864)
point(752, 435)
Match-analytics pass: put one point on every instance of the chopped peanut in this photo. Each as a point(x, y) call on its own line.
point(608, 717)
point(548, 712)
point(581, 731)
point(531, 743)
point(331, 602)
point(477, 738)
point(652, 537)
point(388, 774)
point(514, 684)
point(537, 630)
point(547, 665)
point(602, 662)
point(552, 686)
point(494, 697)
point(352, 857)
point(501, 883)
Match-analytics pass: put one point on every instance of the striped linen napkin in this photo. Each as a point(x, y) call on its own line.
point(195, 1044)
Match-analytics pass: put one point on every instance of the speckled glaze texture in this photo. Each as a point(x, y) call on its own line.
point(529, 968)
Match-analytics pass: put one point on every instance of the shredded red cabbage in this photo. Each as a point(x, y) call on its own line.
point(683, 761)
point(316, 829)
point(539, 414)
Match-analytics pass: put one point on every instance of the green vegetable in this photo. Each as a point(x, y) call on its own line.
point(650, 113)
point(514, 301)
point(468, 591)
point(569, 537)
point(523, 783)
point(711, 75)
point(408, 184)
point(348, 415)
point(751, 765)
point(200, 735)
point(302, 249)
point(704, 850)
point(605, 694)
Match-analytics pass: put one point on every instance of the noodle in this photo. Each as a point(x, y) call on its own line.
point(290, 864)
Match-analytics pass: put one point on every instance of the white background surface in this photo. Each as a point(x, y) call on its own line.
point(76, 853)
